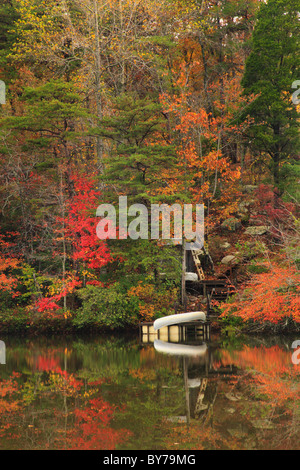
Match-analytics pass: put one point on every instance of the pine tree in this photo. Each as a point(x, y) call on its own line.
point(270, 70)
point(138, 147)
point(8, 15)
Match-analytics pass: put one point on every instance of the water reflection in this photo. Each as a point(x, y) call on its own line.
point(197, 365)
point(181, 349)
point(116, 393)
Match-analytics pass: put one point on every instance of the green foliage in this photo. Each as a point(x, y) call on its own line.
point(13, 320)
point(8, 16)
point(137, 155)
point(147, 258)
point(231, 224)
point(257, 268)
point(251, 249)
point(32, 284)
point(51, 109)
point(270, 70)
point(290, 174)
point(6, 300)
point(230, 323)
point(106, 307)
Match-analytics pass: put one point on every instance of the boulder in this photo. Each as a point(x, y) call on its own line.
point(249, 188)
point(243, 206)
point(243, 212)
point(225, 246)
point(229, 259)
point(233, 396)
point(256, 230)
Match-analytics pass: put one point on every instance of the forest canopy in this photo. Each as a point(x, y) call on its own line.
point(165, 102)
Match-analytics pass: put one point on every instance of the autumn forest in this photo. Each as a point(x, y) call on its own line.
point(165, 102)
point(168, 101)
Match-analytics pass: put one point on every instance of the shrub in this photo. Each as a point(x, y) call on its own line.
point(258, 268)
point(154, 301)
point(106, 307)
point(270, 298)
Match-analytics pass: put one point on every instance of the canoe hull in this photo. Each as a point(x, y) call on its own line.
point(179, 318)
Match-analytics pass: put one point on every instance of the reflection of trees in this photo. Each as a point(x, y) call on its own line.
point(245, 398)
point(61, 409)
point(104, 394)
point(58, 412)
point(274, 384)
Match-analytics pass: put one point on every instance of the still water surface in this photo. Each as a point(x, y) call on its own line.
point(112, 392)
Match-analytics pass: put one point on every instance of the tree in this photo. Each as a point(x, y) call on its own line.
point(269, 300)
point(271, 68)
point(50, 116)
point(8, 263)
point(8, 15)
point(82, 254)
point(139, 152)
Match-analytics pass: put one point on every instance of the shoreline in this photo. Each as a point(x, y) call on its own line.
point(66, 327)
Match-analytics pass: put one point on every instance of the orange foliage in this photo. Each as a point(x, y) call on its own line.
point(271, 361)
point(9, 406)
point(202, 165)
point(269, 297)
point(92, 430)
point(7, 264)
point(152, 301)
point(145, 294)
point(274, 374)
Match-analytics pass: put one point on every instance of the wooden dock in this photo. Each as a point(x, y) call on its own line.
point(212, 289)
point(181, 333)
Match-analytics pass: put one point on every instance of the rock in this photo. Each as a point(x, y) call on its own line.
point(263, 424)
point(243, 207)
point(230, 410)
point(229, 259)
point(256, 231)
point(177, 419)
point(191, 277)
point(225, 246)
point(249, 188)
point(231, 224)
point(233, 397)
point(238, 432)
point(201, 407)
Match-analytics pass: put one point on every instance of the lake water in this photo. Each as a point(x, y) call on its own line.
point(112, 392)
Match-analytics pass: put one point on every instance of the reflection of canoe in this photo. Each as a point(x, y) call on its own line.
point(179, 318)
point(180, 349)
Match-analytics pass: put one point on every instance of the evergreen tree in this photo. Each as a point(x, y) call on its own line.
point(270, 70)
point(140, 155)
point(51, 112)
point(8, 15)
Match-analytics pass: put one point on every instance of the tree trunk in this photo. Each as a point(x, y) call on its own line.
point(99, 143)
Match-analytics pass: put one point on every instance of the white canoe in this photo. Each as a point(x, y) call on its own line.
point(178, 349)
point(178, 318)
